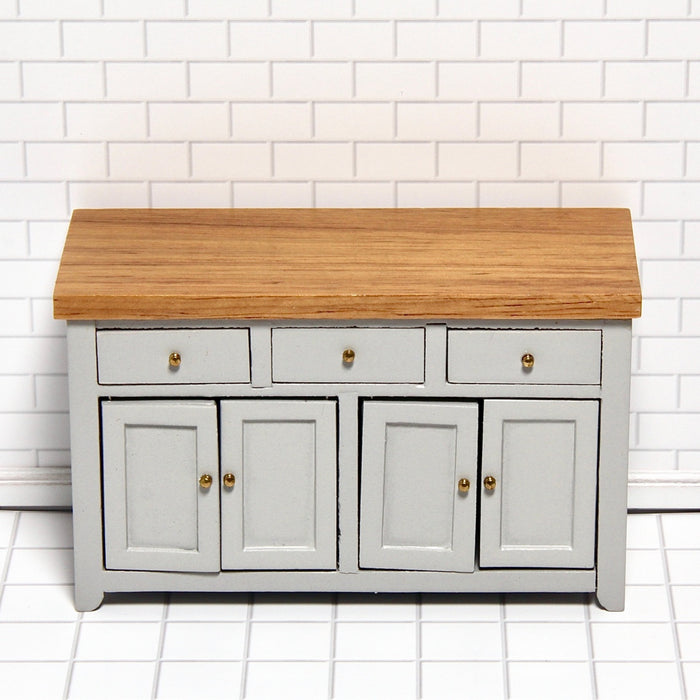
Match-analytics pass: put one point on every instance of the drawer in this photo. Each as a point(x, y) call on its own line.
point(149, 357)
point(498, 357)
point(347, 355)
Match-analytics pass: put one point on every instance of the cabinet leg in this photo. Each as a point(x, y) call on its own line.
point(612, 597)
point(87, 599)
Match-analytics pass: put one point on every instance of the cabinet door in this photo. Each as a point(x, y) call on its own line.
point(543, 456)
point(412, 513)
point(157, 517)
point(281, 511)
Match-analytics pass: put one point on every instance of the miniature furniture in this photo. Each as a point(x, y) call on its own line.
point(349, 400)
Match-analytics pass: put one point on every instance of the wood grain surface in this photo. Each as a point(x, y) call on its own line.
point(348, 264)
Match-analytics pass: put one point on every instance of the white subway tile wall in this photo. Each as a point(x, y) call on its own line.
point(381, 103)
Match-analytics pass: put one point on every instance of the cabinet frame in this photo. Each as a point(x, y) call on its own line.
point(606, 579)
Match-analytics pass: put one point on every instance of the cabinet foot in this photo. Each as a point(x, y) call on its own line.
point(612, 599)
point(87, 600)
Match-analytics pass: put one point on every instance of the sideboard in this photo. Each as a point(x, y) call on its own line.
point(349, 399)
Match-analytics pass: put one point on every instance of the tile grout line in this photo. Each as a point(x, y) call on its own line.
point(589, 643)
point(71, 660)
point(8, 553)
point(671, 612)
point(419, 646)
point(331, 655)
point(504, 644)
point(161, 642)
point(246, 647)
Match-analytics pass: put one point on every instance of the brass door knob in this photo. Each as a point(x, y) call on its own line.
point(229, 480)
point(348, 356)
point(463, 485)
point(528, 360)
point(205, 481)
point(490, 483)
point(174, 360)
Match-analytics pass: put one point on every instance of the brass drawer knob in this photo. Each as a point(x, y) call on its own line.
point(205, 481)
point(528, 360)
point(348, 356)
point(174, 360)
point(463, 485)
point(229, 480)
point(490, 483)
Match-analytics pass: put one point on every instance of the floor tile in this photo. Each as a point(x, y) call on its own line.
point(289, 641)
point(632, 641)
point(375, 640)
point(684, 566)
point(689, 641)
point(546, 641)
point(44, 529)
point(460, 606)
point(303, 608)
point(36, 641)
point(642, 531)
point(691, 675)
point(36, 603)
point(680, 530)
point(363, 606)
point(41, 566)
point(375, 679)
point(116, 679)
point(642, 604)
point(461, 641)
point(199, 679)
point(442, 680)
point(557, 679)
point(545, 606)
point(208, 606)
point(118, 641)
point(637, 681)
point(206, 641)
point(37, 681)
point(364, 646)
point(686, 603)
point(305, 680)
point(645, 567)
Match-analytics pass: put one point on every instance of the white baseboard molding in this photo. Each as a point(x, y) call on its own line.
point(663, 491)
point(34, 487)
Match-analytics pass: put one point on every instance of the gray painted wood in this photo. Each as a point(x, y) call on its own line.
point(141, 357)
point(543, 455)
point(494, 356)
point(385, 355)
point(281, 512)
point(156, 515)
point(607, 578)
point(612, 468)
point(412, 515)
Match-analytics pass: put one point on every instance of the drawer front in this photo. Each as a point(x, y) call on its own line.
point(523, 357)
point(151, 357)
point(348, 355)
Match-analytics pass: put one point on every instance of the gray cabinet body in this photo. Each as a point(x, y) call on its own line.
point(347, 473)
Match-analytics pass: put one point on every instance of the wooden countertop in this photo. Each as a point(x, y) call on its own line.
point(348, 264)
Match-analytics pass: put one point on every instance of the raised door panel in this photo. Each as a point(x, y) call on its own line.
point(412, 513)
point(281, 511)
point(543, 456)
point(156, 515)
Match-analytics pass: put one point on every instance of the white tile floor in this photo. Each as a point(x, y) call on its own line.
point(349, 646)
